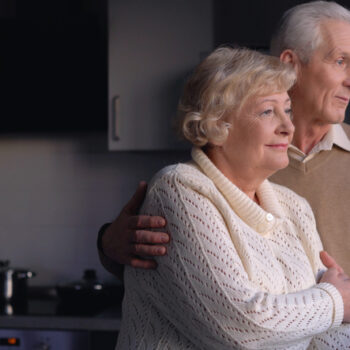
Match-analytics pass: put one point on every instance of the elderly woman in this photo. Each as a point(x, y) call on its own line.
point(243, 263)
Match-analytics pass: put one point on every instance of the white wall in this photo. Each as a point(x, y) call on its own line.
point(55, 194)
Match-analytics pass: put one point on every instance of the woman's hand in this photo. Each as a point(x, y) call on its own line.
point(336, 276)
point(128, 239)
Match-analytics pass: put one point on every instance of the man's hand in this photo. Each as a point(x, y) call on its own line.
point(336, 276)
point(329, 262)
point(128, 239)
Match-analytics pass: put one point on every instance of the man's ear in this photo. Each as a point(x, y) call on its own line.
point(289, 56)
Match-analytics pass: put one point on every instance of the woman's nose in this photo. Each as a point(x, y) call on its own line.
point(286, 124)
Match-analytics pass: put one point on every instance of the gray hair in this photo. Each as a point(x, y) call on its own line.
point(300, 30)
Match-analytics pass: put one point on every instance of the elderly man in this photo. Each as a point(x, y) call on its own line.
point(319, 157)
point(315, 39)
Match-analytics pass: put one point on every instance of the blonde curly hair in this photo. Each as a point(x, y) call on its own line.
point(223, 83)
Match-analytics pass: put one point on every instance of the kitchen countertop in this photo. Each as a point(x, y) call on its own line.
point(49, 313)
point(98, 323)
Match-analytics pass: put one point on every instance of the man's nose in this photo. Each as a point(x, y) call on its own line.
point(347, 81)
point(347, 78)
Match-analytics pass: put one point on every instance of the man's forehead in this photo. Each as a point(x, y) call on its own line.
point(335, 37)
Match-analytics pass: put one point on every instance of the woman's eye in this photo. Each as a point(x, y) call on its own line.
point(267, 112)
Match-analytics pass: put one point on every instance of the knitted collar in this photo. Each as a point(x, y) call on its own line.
point(261, 220)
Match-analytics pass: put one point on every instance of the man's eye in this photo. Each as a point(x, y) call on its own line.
point(288, 111)
point(340, 61)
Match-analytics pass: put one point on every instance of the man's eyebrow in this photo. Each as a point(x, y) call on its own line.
point(336, 51)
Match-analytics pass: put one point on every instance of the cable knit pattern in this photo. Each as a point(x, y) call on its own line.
point(237, 275)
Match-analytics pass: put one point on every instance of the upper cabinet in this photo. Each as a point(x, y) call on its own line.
point(54, 66)
point(153, 45)
point(89, 65)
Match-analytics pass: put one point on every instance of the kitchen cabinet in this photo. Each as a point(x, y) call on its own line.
point(59, 62)
point(64, 68)
point(43, 339)
point(153, 45)
point(42, 322)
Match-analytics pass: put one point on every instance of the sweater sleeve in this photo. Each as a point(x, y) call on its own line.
point(337, 336)
point(201, 286)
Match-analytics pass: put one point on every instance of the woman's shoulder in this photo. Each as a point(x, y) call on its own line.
point(188, 173)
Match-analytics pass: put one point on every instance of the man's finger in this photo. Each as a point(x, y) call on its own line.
point(145, 221)
point(148, 250)
point(136, 200)
point(326, 259)
point(329, 262)
point(150, 237)
point(143, 264)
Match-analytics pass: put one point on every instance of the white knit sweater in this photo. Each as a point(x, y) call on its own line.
point(237, 275)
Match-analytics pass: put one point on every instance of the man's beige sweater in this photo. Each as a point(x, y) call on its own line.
point(325, 182)
point(237, 275)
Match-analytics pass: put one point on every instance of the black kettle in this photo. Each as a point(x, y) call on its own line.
point(13, 283)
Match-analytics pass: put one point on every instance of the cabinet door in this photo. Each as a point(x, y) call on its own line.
point(153, 46)
point(57, 51)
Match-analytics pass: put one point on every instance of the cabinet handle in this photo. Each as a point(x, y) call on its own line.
point(115, 114)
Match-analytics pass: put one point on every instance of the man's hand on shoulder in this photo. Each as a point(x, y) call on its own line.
point(128, 239)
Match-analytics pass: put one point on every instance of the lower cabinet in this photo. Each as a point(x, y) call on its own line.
point(103, 340)
point(56, 340)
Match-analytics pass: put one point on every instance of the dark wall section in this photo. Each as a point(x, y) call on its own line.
point(250, 22)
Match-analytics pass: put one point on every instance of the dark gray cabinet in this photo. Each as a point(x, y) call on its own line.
point(153, 45)
point(55, 74)
point(75, 65)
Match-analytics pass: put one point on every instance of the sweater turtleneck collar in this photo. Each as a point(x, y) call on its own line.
point(261, 220)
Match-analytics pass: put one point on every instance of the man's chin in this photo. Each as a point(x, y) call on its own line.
point(340, 119)
point(335, 118)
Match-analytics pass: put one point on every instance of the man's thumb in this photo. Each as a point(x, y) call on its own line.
point(329, 262)
point(136, 201)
